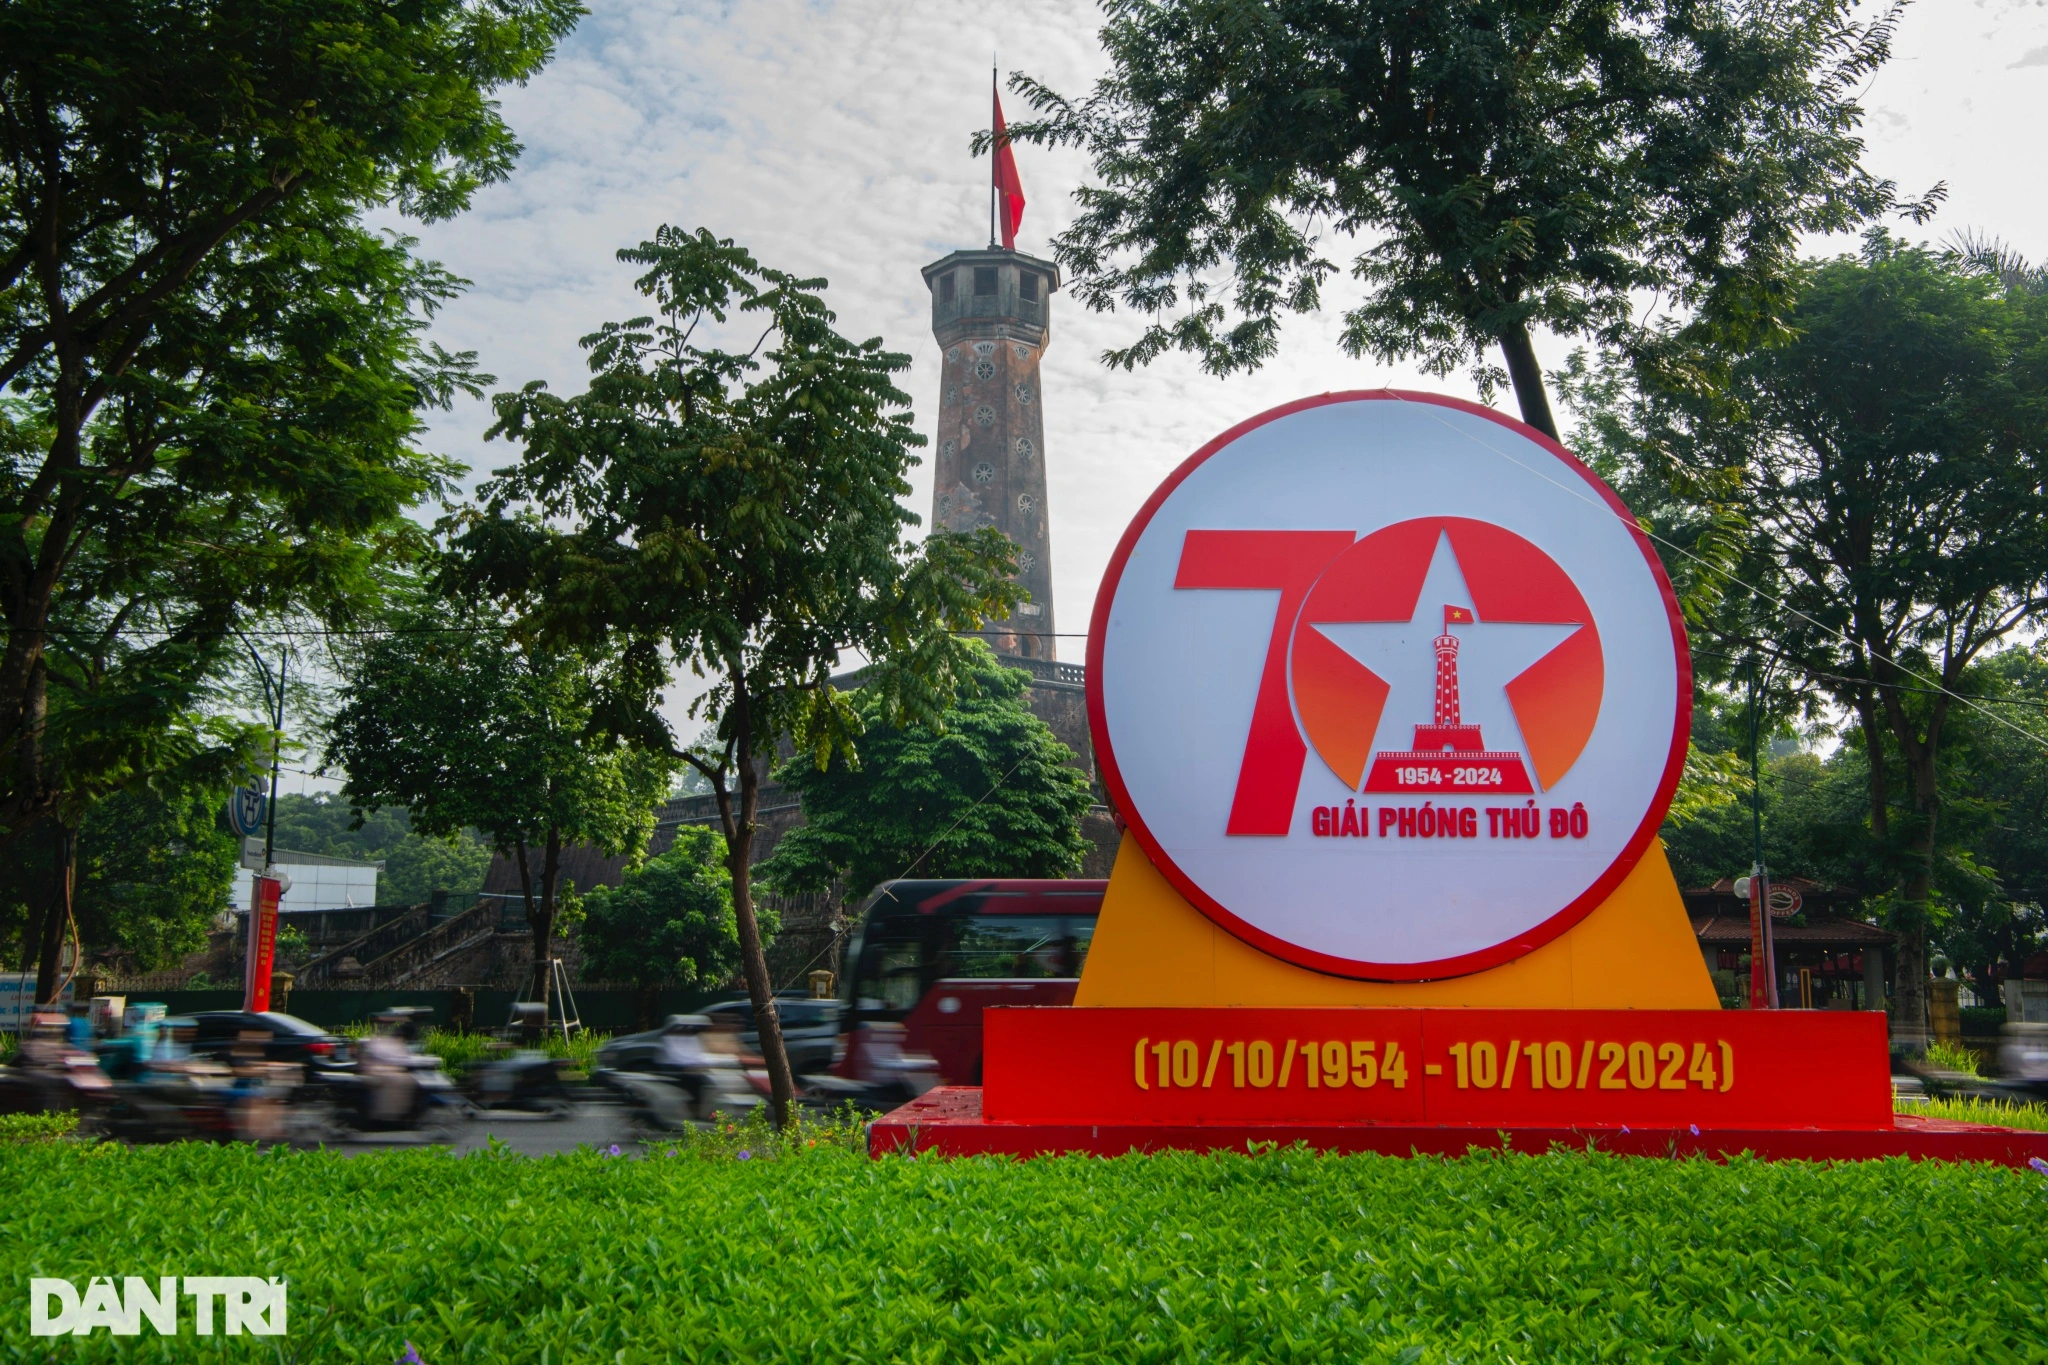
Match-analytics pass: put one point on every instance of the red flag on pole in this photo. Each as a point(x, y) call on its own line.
point(1007, 189)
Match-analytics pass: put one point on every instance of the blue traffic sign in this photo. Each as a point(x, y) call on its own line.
point(246, 808)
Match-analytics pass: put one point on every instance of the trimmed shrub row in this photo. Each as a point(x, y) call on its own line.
point(721, 1251)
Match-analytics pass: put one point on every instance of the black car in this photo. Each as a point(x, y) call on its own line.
point(810, 1033)
point(286, 1038)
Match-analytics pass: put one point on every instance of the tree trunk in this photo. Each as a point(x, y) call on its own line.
point(1914, 915)
point(1915, 911)
point(526, 900)
point(28, 802)
point(542, 923)
point(51, 949)
point(754, 960)
point(1527, 377)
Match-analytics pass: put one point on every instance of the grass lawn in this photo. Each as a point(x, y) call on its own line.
point(814, 1252)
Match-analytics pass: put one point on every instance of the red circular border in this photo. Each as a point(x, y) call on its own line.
point(1465, 963)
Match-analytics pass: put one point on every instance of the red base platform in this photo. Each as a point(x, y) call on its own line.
point(949, 1121)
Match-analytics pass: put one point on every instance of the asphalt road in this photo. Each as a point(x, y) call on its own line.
point(588, 1125)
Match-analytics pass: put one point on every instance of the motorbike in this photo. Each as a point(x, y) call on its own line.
point(525, 1081)
point(192, 1101)
point(520, 1077)
point(878, 1075)
point(395, 1088)
point(54, 1075)
point(694, 1075)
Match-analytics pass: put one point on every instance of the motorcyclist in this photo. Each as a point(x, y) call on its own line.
point(386, 1064)
point(260, 1089)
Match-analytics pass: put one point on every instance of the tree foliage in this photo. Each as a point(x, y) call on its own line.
point(1873, 496)
point(465, 727)
point(726, 494)
point(415, 865)
point(1510, 164)
point(154, 867)
point(670, 921)
point(216, 369)
point(985, 790)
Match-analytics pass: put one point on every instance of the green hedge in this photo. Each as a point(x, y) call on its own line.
point(821, 1254)
point(1981, 1021)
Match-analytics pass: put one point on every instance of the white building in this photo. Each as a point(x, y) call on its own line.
point(314, 881)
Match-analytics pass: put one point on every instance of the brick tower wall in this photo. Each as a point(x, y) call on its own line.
point(991, 314)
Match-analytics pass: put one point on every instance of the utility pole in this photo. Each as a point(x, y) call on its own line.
point(1763, 957)
point(266, 889)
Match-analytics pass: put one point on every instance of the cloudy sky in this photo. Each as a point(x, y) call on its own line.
point(831, 138)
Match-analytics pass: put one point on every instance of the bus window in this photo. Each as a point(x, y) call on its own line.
point(894, 975)
point(1028, 946)
point(1081, 933)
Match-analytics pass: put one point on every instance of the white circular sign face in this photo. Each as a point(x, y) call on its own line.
point(1389, 685)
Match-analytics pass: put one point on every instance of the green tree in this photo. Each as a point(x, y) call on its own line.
point(216, 368)
point(465, 727)
point(737, 512)
point(1512, 164)
point(414, 866)
point(670, 921)
point(1993, 875)
point(152, 868)
point(984, 790)
point(122, 718)
point(1882, 478)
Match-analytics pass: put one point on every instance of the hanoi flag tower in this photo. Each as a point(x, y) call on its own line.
point(990, 312)
point(992, 315)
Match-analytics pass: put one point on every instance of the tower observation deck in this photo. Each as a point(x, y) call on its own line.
point(991, 313)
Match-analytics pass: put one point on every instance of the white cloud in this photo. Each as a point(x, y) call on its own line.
point(830, 138)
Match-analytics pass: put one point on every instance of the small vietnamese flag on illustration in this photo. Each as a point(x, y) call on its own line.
point(1459, 616)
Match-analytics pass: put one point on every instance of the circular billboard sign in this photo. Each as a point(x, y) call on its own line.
point(1389, 685)
point(247, 806)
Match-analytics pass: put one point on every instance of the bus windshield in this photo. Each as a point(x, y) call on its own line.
point(917, 933)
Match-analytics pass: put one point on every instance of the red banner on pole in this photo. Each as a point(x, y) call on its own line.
point(1759, 946)
point(261, 955)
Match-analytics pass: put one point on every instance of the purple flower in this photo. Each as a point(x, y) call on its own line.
point(671, 1151)
point(1695, 1130)
point(2038, 1164)
point(411, 1357)
point(746, 1155)
point(615, 1149)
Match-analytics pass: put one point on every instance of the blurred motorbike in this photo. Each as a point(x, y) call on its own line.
point(52, 1074)
point(2023, 1060)
point(523, 1078)
point(395, 1087)
point(691, 1073)
point(166, 1094)
point(881, 1075)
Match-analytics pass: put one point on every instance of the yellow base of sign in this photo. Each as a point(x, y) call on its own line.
point(1635, 951)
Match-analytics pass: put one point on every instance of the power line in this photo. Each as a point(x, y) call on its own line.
point(1867, 682)
point(1779, 602)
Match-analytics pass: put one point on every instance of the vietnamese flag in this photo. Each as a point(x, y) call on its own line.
point(1458, 616)
point(1007, 189)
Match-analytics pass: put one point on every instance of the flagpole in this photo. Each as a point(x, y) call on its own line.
point(992, 97)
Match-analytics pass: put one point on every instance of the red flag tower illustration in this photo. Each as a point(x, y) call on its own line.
point(1449, 755)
